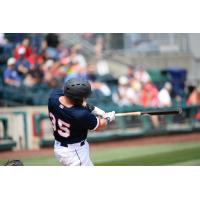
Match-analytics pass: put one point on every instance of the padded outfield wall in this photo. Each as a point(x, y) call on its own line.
point(24, 128)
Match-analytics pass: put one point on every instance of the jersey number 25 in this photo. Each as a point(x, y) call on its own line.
point(63, 129)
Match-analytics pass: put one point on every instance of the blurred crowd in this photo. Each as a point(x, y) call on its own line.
point(136, 87)
point(48, 64)
point(194, 99)
point(43, 61)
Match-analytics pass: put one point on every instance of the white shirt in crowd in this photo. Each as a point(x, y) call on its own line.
point(126, 96)
point(164, 98)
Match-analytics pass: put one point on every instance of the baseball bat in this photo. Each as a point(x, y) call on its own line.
point(155, 112)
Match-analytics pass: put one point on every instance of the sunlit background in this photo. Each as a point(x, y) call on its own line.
point(127, 72)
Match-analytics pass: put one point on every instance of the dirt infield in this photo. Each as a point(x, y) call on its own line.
point(166, 139)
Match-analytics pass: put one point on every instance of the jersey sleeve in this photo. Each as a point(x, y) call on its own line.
point(91, 121)
point(57, 93)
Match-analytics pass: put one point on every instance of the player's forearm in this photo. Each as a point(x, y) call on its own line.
point(98, 111)
point(94, 110)
point(108, 118)
point(102, 125)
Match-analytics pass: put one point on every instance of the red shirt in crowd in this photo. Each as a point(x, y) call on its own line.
point(28, 52)
point(149, 96)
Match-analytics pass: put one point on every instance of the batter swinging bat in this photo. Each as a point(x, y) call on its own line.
point(156, 112)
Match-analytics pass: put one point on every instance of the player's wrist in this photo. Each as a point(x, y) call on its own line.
point(107, 120)
point(90, 107)
point(98, 111)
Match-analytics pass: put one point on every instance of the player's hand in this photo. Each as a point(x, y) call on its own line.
point(110, 116)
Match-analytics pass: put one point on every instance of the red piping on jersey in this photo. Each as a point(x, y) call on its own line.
point(98, 124)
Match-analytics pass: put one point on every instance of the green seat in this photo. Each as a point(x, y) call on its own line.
point(158, 77)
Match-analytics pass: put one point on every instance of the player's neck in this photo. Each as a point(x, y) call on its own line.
point(65, 101)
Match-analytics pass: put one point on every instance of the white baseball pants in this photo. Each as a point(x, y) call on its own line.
point(73, 155)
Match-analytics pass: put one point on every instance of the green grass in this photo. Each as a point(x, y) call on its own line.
point(168, 154)
point(156, 155)
point(157, 159)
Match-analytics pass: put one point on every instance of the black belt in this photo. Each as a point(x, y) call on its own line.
point(63, 144)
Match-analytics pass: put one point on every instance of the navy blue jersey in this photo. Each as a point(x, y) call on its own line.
point(70, 125)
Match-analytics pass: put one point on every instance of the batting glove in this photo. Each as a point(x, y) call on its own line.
point(110, 116)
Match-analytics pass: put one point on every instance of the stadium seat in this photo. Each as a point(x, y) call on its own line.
point(158, 77)
point(177, 77)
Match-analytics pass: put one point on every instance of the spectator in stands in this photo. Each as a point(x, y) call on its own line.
point(125, 94)
point(11, 77)
point(54, 68)
point(27, 49)
point(42, 50)
point(48, 76)
point(47, 65)
point(75, 71)
point(6, 49)
point(36, 68)
point(149, 95)
point(142, 76)
point(134, 82)
point(136, 85)
point(32, 79)
point(63, 51)
point(3, 40)
point(103, 68)
point(149, 98)
point(22, 63)
point(130, 72)
point(98, 88)
point(52, 42)
point(194, 99)
point(35, 41)
point(164, 95)
point(58, 70)
point(77, 57)
point(50, 81)
point(99, 46)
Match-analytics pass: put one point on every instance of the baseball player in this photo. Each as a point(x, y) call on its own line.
point(71, 119)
